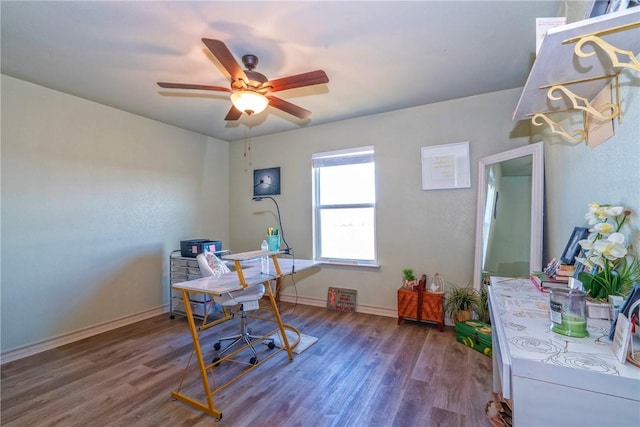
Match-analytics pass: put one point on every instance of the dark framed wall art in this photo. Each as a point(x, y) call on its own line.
point(573, 245)
point(266, 182)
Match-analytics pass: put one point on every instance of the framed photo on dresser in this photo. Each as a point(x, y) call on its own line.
point(573, 246)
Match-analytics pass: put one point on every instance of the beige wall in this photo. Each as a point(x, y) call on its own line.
point(429, 231)
point(93, 201)
point(577, 175)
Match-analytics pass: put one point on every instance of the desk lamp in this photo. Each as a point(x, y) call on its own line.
point(261, 198)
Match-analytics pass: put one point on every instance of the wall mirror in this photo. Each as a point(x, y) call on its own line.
point(509, 213)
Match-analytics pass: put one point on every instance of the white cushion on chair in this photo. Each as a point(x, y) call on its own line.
point(211, 265)
point(251, 293)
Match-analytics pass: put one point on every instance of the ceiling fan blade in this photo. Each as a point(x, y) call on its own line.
point(222, 54)
point(299, 80)
point(233, 114)
point(192, 86)
point(288, 107)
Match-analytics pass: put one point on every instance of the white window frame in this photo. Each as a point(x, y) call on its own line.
point(340, 157)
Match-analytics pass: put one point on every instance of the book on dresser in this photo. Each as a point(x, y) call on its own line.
point(544, 282)
point(565, 271)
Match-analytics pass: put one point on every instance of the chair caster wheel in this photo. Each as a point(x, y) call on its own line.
point(217, 346)
point(253, 360)
point(271, 345)
point(215, 359)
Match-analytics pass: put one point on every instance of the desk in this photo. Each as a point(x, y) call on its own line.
point(555, 380)
point(247, 273)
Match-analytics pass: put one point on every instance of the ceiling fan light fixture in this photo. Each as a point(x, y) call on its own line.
point(249, 101)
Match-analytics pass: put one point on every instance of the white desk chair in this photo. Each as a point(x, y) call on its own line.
point(247, 298)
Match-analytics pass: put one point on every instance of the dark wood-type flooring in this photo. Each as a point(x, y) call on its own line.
point(365, 370)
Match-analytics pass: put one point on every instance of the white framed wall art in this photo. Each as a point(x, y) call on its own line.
point(446, 166)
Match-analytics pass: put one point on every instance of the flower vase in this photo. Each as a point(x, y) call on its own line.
point(462, 316)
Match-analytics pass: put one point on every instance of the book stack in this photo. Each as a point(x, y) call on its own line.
point(545, 282)
point(556, 275)
point(564, 272)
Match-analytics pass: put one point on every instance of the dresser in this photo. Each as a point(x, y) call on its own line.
point(552, 379)
point(182, 269)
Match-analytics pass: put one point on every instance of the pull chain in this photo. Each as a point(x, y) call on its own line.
point(247, 147)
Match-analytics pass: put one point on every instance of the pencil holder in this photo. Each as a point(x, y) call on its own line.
point(274, 242)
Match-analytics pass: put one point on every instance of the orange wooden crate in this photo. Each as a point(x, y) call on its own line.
point(421, 306)
point(433, 307)
point(407, 304)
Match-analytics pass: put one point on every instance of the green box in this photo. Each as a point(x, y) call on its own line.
point(475, 334)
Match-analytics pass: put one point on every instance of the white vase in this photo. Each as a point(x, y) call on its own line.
point(599, 310)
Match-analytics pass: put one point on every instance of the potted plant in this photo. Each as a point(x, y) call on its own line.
point(461, 302)
point(409, 279)
point(611, 269)
point(483, 305)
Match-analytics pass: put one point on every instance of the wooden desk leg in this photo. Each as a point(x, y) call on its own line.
point(240, 273)
point(210, 407)
point(278, 285)
point(276, 311)
point(277, 294)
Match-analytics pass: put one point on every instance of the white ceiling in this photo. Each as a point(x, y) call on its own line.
point(379, 56)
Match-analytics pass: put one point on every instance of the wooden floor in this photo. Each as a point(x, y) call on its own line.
point(364, 371)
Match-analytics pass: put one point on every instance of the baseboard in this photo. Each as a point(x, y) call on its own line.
point(360, 308)
point(51, 343)
point(31, 349)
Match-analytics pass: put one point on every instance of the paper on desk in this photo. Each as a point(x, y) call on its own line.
point(515, 305)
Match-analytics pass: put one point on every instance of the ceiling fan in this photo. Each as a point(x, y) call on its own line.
point(250, 90)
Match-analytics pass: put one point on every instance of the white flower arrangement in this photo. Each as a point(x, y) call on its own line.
point(614, 269)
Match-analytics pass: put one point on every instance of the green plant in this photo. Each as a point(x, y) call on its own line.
point(461, 302)
point(408, 274)
point(483, 304)
point(611, 282)
point(614, 269)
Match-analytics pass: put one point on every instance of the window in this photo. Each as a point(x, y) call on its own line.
point(344, 205)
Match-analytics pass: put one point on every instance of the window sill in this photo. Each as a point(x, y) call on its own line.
point(348, 264)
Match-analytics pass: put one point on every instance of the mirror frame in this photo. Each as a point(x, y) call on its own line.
point(537, 198)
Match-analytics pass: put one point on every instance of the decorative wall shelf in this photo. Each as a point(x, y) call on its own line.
point(575, 63)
